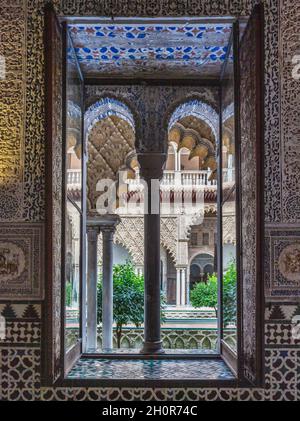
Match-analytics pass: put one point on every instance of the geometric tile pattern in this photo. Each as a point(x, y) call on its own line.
point(20, 369)
point(150, 370)
point(22, 324)
point(22, 333)
point(285, 311)
point(139, 49)
point(280, 334)
point(283, 373)
point(30, 311)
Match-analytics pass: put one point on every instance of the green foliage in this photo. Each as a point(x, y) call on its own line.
point(206, 294)
point(128, 298)
point(68, 293)
point(229, 295)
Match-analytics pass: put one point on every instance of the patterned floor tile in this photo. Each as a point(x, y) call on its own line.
point(150, 369)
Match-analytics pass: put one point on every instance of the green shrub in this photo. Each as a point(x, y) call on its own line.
point(206, 294)
point(128, 298)
point(68, 293)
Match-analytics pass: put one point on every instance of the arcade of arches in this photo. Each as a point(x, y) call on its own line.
point(111, 150)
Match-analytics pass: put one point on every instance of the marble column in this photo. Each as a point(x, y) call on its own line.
point(188, 286)
point(92, 275)
point(178, 287)
point(183, 286)
point(107, 287)
point(106, 224)
point(151, 170)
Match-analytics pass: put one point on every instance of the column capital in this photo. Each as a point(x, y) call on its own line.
point(152, 165)
point(92, 232)
point(102, 221)
point(108, 230)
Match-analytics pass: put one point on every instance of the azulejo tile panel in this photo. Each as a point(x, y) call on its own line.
point(281, 334)
point(21, 332)
point(149, 48)
point(285, 311)
point(283, 373)
point(20, 311)
point(21, 261)
point(19, 370)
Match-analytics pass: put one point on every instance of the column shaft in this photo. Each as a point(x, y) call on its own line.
point(107, 289)
point(151, 171)
point(183, 287)
point(92, 273)
point(188, 286)
point(178, 298)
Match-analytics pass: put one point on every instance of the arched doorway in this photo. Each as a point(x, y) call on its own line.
point(201, 267)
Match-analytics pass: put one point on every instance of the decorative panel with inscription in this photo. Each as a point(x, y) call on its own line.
point(21, 261)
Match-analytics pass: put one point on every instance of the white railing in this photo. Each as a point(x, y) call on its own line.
point(187, 178)
point(178, 179)
point(170, 178)
point(74, 178)
point(198, 178)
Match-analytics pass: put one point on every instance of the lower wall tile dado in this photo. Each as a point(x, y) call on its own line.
point(20, 361)
point(20, 370)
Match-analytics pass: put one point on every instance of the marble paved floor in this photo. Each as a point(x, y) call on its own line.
point(204, 369)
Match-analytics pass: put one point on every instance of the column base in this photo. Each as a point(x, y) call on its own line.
point(150, 348)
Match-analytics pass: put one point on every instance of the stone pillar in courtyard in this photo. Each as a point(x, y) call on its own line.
point(183, 286)
point(151, 171)
point(92, 275)
point(178, 287)
point(106, 224)
point(107, 285)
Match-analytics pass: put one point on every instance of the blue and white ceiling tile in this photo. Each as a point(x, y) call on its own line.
point(144, 49)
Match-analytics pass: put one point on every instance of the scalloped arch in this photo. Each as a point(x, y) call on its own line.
point(105, 107)
point(199, 109)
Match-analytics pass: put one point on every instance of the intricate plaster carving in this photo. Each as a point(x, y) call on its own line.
point(169, 235)
point(109, 142)
point(151, 121)
point(12, 109)
point(249, 66)
point(201, 110)
point(290, 121)
point(130, 234)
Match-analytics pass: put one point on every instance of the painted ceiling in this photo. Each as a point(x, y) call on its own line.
point(182, 50)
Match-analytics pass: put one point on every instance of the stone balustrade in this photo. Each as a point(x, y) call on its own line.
point(172, 338)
